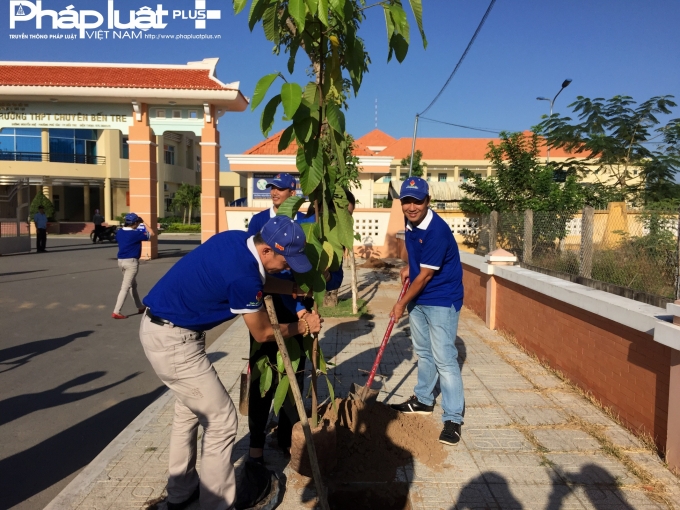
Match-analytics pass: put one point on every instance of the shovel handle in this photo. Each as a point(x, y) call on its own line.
point(381, 351)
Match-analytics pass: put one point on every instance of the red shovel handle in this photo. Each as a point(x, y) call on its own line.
point(381, 351)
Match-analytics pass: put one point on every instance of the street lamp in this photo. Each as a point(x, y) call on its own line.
point(565, 84)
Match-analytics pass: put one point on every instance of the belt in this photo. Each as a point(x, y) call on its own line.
point(157, 320)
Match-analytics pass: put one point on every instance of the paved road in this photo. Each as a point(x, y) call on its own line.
point(71, 377)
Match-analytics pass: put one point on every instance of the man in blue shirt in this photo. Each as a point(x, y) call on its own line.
point(281, 187)
point(434, 300)
point(224, 277)
point(130, 239)
point(40, 220)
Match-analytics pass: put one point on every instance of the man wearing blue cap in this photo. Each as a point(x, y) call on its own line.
point(130, 239)
point(281, 187)
point(224, 277)
point(434, 300)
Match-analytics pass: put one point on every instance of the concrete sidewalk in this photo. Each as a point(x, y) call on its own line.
point(529, 440)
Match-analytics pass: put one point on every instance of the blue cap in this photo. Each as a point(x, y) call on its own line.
point(414, 187)
point(287, 238)
point(131, 218)
point(283, 181)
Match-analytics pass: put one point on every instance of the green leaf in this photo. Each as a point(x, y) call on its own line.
point(311, 94)
point(294, 45)
point(279, 363)
point(417, 8)
point(287, 137)
point(239, 5)
point(308, 345)
point(326, 256)
point(400, 47)
point(323, 12)
point(400, 21)
point(280, 395)
point(310, 179)
point(291, 96)
point(338, 7)
point(322, 363)
point(390, 28)
point(294, 353)
point(346, 227)
point(268, 113)
point(269, 23)
point(261, 89)
point(290, 206)
point(266, 380)
point(331, 392)
point(298, 11)
point(312, 5)
point(256, 11)
point(335, 117)
point(259, 367)
point(303, 123)
point(301, 164)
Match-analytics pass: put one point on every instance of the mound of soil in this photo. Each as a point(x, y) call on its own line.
point(373, 441)
point(374, 263)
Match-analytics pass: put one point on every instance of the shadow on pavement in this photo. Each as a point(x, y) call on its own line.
point(29, 472)
point(22, 272)
point(15, 407)
point(19, 355)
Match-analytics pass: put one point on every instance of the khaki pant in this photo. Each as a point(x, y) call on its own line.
point(129, 267)
point(178, 357)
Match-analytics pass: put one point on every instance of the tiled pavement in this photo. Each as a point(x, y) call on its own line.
point(529, 441)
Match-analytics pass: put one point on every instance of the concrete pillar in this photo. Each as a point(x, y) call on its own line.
point(108, 210)
point(143, 176)
point(586, 250)
point(488, 171)
point(495, 258)
point(161, 176)
point(397, 173)
point(87, 212)
point(210, 177)
point(456, 174)
point(47, 188)
point(45, 144)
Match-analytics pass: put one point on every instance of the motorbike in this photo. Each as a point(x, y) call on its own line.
point(108, 233)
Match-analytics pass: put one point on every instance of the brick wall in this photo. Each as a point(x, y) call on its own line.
point(474, 283)
point(76, 227)
point(623, 368)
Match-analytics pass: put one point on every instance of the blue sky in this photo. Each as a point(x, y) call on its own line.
point(526, 49)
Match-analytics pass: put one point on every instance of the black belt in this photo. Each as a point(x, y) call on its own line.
point(157, 320)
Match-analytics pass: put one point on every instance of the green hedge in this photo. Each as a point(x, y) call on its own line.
point(179, 227)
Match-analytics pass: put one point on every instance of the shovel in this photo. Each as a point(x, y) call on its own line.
point(365, 393)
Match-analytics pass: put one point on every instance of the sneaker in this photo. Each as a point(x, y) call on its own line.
point(412, 405)
point(184, 504)
point(451, 433)
point(118, 316)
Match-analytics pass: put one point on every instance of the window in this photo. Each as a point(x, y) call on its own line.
point(386, 179)
point(160, 114)
point(56, 203)
point(176, 114)
point(169, 151)
point(441, 177)
point(73, 146)
point(193, 114)
point(125, 149)
point(21, 144)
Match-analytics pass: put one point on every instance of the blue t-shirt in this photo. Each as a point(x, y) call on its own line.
point(259, 219)
point(220, 279)
point(130, 242)
point(431, 244)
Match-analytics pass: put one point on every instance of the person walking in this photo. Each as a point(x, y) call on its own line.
point(224, 277)
point(130, 239)
point(40, 220)
point(433, 300)
point(98, 221)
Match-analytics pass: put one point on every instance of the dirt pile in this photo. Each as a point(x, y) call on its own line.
point(373, 441)
point(374, 263)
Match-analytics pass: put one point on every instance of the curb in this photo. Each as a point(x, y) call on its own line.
point(66, 498)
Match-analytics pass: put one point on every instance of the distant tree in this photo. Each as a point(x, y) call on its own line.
point(623, 146)
point(349, 176)
point(194, 194)
point(41, 200)
point(419, 166)
point(187, 197)
point(520, 182)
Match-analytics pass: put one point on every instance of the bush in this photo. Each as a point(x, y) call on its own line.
point(41, 200)
point(182, 228)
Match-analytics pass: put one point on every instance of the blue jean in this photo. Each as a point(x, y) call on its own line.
point(433, 332)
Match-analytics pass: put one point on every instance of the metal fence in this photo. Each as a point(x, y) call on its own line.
point(15, 235)
point(633, 252)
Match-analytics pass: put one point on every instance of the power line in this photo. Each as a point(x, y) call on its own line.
point(460, 61)
point(486, 130)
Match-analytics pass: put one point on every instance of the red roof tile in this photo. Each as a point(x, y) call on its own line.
point(112, 77)
point(376, 138)
point(451, 148)
point(270, 146)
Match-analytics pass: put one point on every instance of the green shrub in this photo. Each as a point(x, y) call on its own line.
point(182, 228)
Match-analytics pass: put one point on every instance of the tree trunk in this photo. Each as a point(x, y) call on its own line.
point(190, 206)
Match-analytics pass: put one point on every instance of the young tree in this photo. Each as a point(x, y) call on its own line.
point(194, 198)
point(327, 32)
point(520, 182)
point(41, 200)
point(622, 145)
point(182, 200)
point(419, 166)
